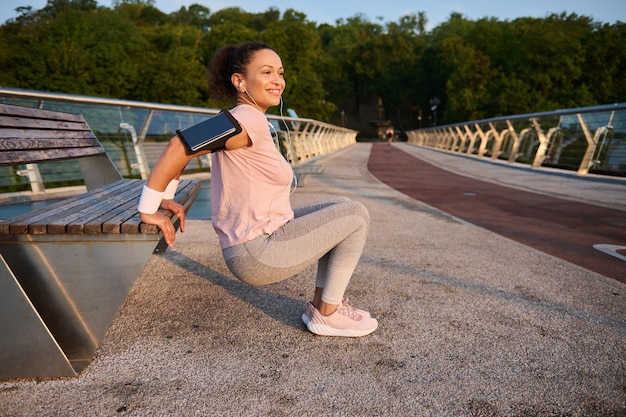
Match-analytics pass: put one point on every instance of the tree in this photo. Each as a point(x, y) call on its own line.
point(437, 66)
point(305, 91)
point(72, 50)
point(401, 48)
point(476, 69)
point(353, 61)
point(605, 63)
point(196, 15)
point(553, 58)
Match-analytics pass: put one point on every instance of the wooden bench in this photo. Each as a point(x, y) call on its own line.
point(66, 269)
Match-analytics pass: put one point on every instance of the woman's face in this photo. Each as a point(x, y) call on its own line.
point(263, 83)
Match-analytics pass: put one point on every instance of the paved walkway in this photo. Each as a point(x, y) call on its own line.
point(471, 324)
point(578, 232)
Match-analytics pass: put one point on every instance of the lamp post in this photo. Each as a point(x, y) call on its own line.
point(434, 102)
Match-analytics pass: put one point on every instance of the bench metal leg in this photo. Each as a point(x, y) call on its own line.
point(27, 348)
point(76, 288)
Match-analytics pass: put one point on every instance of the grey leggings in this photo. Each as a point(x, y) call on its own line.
point(331, 232)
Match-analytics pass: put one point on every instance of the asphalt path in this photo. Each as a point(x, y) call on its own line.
point(560, 227)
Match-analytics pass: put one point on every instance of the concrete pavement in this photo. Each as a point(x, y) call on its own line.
point(462, 332)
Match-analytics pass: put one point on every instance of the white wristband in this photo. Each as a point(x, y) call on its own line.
point(150, 200)
point(170, 190)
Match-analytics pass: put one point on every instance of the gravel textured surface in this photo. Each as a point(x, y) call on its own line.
point(471, 324)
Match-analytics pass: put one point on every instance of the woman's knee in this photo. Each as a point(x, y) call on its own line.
point(361, 210)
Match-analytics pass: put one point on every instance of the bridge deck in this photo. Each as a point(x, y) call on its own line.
point(471, 323)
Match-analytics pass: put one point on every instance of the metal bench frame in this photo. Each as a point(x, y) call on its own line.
point(66, 269)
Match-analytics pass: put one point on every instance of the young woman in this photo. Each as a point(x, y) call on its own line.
point(263, 239)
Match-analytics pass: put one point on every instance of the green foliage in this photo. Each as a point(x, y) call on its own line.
point(605, 64)
point(477, 69)
point(303, 70)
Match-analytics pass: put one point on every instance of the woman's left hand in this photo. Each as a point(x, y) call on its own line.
point(177, 209)
point(164, 223)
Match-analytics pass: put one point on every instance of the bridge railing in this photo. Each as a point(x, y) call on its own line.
point(135, 133)
point(588, 139)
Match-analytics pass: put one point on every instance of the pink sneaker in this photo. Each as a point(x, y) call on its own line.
point(345, 321)
point(346, 302)
point(308, 312)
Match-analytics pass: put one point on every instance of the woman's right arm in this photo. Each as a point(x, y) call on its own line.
point(168, 167)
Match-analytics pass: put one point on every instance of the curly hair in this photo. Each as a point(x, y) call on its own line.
point(226, 61)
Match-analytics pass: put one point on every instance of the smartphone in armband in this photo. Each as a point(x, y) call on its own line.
point(210, 134)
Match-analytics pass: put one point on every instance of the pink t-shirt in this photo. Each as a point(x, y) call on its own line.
point(250, 186)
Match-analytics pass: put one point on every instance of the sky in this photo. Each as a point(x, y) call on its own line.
point(437, 11)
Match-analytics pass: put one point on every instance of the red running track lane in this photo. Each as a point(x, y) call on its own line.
point(559, 227)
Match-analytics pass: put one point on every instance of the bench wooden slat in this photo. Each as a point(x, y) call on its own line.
point(33, 113)
point(134, 225)
point(54, 222)
point(187, 189)
point(108, 209)
point(12, 122)
point(91, 204)
point(19, 225)
point(113, 221)
point(36, 221)
point(32, 135)
point(93, 207)
point(120, 202)
point(14, 139)
point(27, 157)
point(128, 220)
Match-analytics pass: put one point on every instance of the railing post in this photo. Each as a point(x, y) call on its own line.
point(540, 155)
point(592, 144)
point(516, 142)
point(34, 178)
point(472, 138)
point(483, 140)
point(497, 141)
point(142, 161)
point(461, 139)
point(451, 138)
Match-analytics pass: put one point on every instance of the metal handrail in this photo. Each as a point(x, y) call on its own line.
point(538, 115)
point(75, 98)
point(585, 139)
point(151, 125)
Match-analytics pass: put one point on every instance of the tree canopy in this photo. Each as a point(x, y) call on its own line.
point(348, 72)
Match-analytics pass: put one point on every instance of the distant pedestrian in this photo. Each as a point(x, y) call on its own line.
point(263, 239)
point(389, 134)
